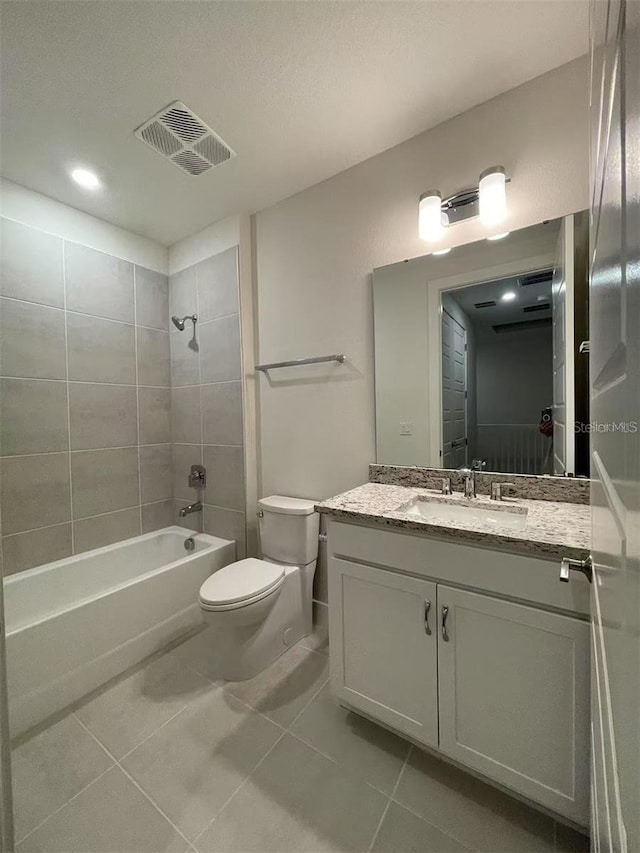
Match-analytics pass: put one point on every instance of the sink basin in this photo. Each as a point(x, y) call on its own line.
point(431, 510)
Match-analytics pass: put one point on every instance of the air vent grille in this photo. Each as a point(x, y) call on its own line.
point(490, 303)
point(542, 277)
point(523, 325)
point(179, 135)
point(542, 306)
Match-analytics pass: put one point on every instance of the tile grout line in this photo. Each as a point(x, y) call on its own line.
point(66, 357)
point(390, 799)
point(133, 781)
point(135, 355)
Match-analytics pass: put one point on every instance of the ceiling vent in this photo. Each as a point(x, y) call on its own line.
point(542, 306)
point(490, 303)
point(522, 325)
point(180, 136)
point(542, 277)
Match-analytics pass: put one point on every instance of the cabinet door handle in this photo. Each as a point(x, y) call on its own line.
point(427, 608)
point(445, 613)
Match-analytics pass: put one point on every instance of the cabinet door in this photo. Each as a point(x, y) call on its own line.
point(514, 697)
point(384, 646)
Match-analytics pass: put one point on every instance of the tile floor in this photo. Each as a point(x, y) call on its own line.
point(170, 759)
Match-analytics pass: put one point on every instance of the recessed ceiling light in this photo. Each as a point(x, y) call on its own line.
point(499, 236)
point(509, 296)
point(441, 252)
point(86, 178)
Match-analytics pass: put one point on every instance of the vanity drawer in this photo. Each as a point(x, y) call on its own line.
point(509, 575)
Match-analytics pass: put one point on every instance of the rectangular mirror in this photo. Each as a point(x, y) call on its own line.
point(481, 354)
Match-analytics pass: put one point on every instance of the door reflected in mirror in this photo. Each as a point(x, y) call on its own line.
point(478, 358)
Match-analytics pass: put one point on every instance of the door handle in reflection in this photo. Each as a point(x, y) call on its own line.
point(445, 613)
point(427, 608)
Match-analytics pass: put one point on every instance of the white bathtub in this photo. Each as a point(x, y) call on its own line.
point(74, 624)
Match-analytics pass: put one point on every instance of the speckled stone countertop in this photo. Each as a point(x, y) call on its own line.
point(553, 529)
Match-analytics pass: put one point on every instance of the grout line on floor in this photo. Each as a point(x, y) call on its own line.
point(390, 798)
point(240, 786)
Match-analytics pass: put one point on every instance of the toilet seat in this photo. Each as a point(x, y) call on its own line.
point(241, 584)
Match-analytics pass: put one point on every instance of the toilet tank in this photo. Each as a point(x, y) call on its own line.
point(288, 529)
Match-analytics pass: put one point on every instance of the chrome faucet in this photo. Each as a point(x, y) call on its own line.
point(189, 508)
point(469, 475)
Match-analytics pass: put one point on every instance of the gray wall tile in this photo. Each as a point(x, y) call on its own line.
point(218, 285)
point(100, 350)
point(98, 284)
point(152, 298)
point(26, 550)
point(153, 357)
point(222, 413)
point(183, 456)
point(182, 292)
point(156, 482)
point(185, 415)
point(225, 476)
point(34, 416)
point(31, 264)
point(220, 349)
point(102, 416)
point(104, 529)
point(185, 358)
point(155, 415)
point(156, 516)
point(35, 492)
point(32, 341)
point(104, 481)
point(227, 524)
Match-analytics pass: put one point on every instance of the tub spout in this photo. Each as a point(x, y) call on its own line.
point(187, 510)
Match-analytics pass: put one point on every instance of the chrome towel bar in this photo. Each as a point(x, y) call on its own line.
point(294, 362)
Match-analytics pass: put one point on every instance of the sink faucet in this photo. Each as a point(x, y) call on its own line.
point(469, 475)
point(189, 508)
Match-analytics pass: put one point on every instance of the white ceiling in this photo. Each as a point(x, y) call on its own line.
point(300, 90)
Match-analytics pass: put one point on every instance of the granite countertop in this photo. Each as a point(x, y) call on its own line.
point(553, 529)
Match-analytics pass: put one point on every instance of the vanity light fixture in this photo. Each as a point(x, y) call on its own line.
point(509, 296)
point(442, 251)
point(488, 201)
point(86, 178)
point(499, 236)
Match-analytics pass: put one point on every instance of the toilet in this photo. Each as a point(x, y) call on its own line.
point(261, 607)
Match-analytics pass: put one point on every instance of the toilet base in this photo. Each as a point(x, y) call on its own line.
point(274, 625)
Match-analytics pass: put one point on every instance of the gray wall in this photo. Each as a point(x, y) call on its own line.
point(86, 425)
point(207, 404)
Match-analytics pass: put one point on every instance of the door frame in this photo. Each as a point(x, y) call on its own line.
point(466, 386)
point(436, 287)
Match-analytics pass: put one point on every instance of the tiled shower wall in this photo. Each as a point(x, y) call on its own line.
point(206, 390)
point(85, 396)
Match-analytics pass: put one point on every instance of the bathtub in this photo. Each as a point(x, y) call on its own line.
point(74, 624)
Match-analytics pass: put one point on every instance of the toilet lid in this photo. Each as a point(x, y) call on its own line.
point(241, 580)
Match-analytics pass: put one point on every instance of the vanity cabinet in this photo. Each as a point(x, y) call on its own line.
point(498, 685)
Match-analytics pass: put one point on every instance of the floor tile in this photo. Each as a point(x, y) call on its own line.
point(297, 800)
point(476, 814)
point(191, 766)
point(202, 653)
point(132, 709)
point(284, 688)
point(368, 750)
point(403, 831)
point(110, 816)
point(318, 641)
point(50, 768)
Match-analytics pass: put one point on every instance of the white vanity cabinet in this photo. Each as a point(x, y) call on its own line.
point(496, 684)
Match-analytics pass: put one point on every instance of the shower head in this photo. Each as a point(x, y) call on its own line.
point(179, 322)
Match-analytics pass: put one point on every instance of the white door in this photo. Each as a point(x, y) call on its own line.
point(615, 448)
point(514, 697)
point(384, 646)
point(563, 352)
point(454, 392)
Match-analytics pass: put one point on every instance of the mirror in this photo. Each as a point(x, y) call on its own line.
point(481, 354)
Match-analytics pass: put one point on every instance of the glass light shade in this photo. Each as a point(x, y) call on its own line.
point(430, 227)
point(493, 195)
